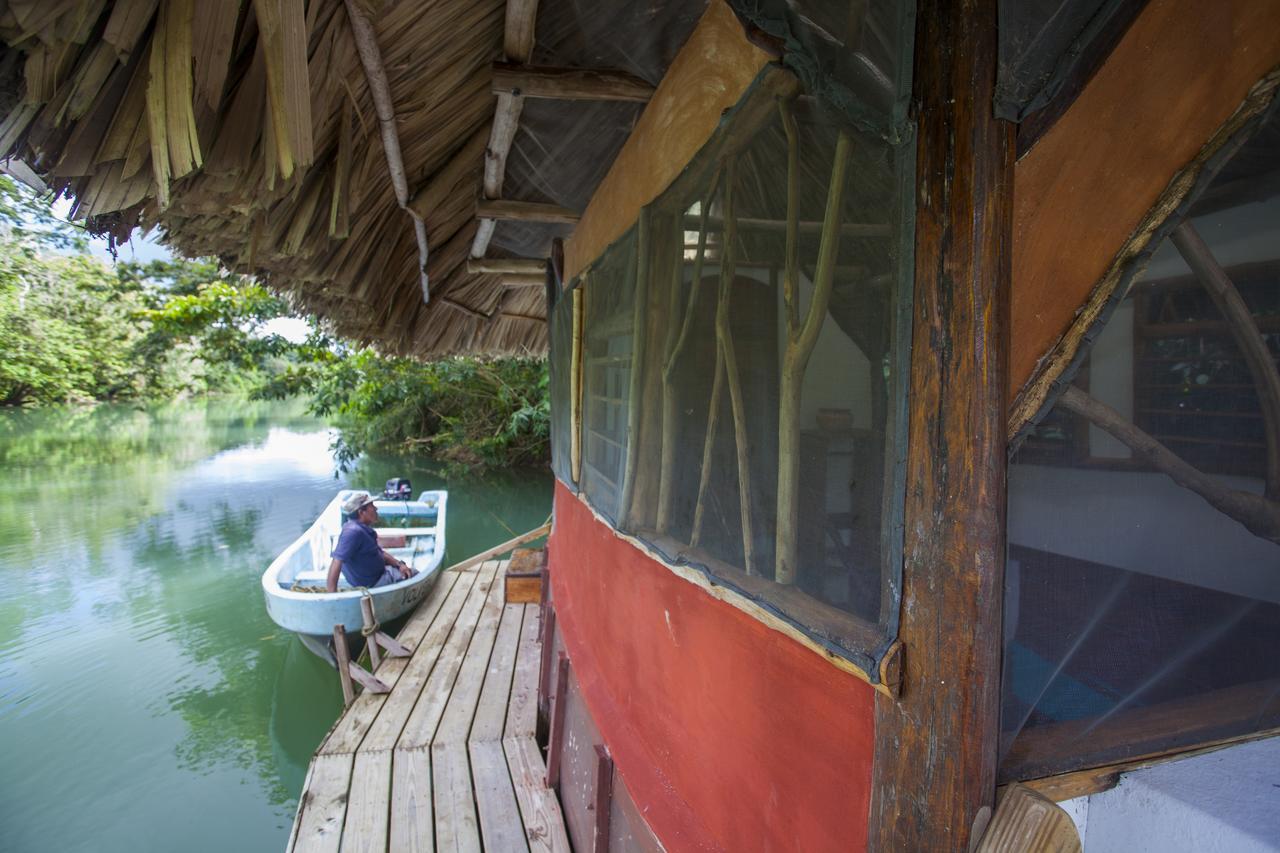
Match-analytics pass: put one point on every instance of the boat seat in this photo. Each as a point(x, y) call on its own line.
point(316, 577)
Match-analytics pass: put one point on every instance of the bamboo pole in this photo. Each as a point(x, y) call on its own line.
point(639, 313)
point(737, 405)
point(1247, 336)
point(380, 89)
point(674, 350)
point(801, 340)
point(575, 385)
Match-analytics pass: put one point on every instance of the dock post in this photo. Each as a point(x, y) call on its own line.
point(344, 664)
point(370, 632)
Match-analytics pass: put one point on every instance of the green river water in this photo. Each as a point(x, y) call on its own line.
point(146, 700)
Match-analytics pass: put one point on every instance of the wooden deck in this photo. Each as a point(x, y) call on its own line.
point(447, 760)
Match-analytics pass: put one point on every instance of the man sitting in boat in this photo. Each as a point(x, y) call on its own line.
point(358, 555)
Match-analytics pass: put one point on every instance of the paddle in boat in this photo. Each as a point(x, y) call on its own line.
point(295, 583)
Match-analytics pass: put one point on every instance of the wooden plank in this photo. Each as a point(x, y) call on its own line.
point(343, 660)
point(500, 824)
point(522, 712)
point(491, 710)
point(368, 821)
point(457, 827)
point(569, 84)
point(934, 762)
point(411, 818)
point(324, 805)
point(461, 710)
point(524, 211)
point(302, 800)
point(420, 727)
point(536, 533)
point(507, 266)
point(539, 809)
point(1026, 822)
point(523, 588)
point(604, 800)
point(527, 560)
point(352, 726)
point(559, 703)
point(387, 726)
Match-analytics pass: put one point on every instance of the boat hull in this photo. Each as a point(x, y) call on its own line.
point(291, 582)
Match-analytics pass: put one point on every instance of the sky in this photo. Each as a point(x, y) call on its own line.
point(145, 249)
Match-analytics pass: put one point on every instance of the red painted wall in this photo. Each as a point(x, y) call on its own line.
point(728, 735)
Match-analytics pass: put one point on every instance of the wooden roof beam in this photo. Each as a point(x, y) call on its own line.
point(525, 211)
point(527, 280)
point(517, 43)
point(569, 84)
point(507, 266)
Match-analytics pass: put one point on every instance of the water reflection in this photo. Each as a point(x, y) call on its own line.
point(146, 700)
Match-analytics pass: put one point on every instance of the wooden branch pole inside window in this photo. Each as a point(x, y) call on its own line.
point(575, 384)
point(644, 240)
point(674, 350)
point(802, 338)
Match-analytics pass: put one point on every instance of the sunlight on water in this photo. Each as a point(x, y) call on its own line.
point(146, 700)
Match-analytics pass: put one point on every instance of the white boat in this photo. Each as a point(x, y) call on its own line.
point(410, 530)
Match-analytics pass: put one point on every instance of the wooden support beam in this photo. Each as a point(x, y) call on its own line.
point(692, 222)
point(342, 659)
point(498, 550)
point(370, 626)
point(934, 765)
point(517, 281)
point(569, 84)
point(517, 42)
point(464, 309)
point(508, 266)
point(525, 211)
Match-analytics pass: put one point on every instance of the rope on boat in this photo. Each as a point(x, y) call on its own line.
point(369, 630)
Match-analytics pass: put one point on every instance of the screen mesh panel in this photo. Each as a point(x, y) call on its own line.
point(1143, 584)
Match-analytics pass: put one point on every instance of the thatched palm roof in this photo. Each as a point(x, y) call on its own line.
point(249, 130)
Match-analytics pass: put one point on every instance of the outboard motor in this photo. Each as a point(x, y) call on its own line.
point(398, 489)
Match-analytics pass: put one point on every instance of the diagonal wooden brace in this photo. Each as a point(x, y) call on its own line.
point(392, 645)
point(366, 679)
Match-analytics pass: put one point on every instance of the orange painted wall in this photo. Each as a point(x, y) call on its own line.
point(1179, 72)
point(729, 736)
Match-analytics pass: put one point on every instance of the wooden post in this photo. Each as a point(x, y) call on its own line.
point(370, 632)
point(343, 660)
point(935, 745)
point(604, 799)
point(555, 740)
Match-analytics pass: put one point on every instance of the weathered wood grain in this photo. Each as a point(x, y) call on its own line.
point(500, 823)
point(539, 808)
point(522, 711)
point(412, 816)
point(368, 821)
point(324, 805)
point(935, 747)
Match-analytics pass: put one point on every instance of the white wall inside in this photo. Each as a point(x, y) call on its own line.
point(1223, 802)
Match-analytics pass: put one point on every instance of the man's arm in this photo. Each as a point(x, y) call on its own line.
point(395, 562)
point(334, 569)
